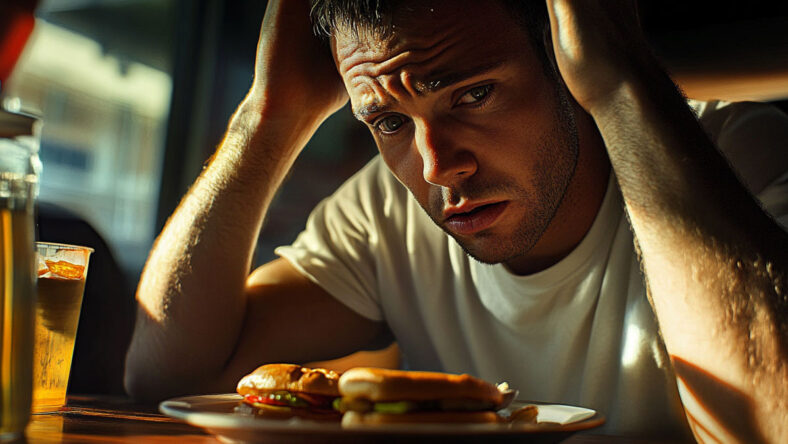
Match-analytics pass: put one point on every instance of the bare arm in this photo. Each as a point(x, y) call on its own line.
point(715, 263)
point(201, 323)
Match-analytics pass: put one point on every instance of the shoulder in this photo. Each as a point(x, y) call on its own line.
point(751, 135)
point(373, 194)
point(375, 206)
point(374, 181)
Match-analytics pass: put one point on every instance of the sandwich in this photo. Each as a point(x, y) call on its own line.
point(281, 391)
point(380, 396)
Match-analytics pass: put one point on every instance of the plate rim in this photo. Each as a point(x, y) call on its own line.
point(212, 421)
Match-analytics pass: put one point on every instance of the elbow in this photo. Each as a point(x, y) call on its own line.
point(142, 383)
point(136, 387)
point(146, 378)
point(148, 371)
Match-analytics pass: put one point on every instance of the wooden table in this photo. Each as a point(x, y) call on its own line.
point(113, 420)
point(88, 419)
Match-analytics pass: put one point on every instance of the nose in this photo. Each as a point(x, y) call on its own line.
point(445, 162)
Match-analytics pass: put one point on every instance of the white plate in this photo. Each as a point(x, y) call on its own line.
point(215, 413)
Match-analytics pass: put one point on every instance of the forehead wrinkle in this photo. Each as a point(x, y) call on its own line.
point(383, 83)
point(372, 95)
point(396, 67)
point(409, 83)
point(375, 76)
point(389, 89)
point(378, 58)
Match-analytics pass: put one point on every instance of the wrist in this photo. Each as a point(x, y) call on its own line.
point(302, 108)
point(263, 128)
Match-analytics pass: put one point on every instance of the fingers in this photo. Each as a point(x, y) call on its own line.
point(596, 43)
point(294, 69)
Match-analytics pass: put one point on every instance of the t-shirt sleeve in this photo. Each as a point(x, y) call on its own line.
point(336, 249)
point(753, 137)
point(774, 199)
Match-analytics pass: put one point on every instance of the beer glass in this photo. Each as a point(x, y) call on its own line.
point(19, 168)
point(62, 270)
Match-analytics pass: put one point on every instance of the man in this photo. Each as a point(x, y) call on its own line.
point(509, 152)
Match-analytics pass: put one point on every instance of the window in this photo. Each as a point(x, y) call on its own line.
point(105, 119)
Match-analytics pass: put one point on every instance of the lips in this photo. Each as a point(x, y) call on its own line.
point(475, 218)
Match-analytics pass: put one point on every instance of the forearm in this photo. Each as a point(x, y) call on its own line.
point(714, 261)
point(191, 293)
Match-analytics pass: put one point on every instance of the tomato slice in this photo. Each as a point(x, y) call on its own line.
point(254, 399)
point(287, 399)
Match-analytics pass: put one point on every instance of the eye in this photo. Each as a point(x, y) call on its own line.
point(389, 124)
point(474, 95)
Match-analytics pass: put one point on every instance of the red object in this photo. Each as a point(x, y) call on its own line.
point(319, 401)
point(252, 399)
point(16, 24)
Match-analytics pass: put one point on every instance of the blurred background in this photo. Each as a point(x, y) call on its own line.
point(136, 95)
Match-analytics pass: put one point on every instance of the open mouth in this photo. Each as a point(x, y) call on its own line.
point(477, 219)
point(478, 209)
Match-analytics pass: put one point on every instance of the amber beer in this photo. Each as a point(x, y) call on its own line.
point(18, 181)
point(16, 285)
point(62, 270)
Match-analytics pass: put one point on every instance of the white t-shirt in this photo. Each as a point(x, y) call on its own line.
point(580, 332)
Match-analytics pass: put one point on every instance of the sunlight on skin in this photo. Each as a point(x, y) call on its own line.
point(719, 412)
point(367, 99)
point(705, 427)
point(567, 40)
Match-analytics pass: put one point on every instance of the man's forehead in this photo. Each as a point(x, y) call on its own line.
point(367, 102)
point(433, 45)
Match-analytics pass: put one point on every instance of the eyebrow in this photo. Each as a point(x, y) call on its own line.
point(439, 81)
point(435, 83)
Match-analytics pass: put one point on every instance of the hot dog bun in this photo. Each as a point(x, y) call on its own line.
point(355, 419)
point(383, 385)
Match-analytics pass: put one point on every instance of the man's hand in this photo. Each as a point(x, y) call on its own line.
point(294, 72)
point(598, 45)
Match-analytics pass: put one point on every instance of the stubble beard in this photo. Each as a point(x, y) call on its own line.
point(558, 155)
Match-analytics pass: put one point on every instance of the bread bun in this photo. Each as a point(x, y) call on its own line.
point(354, 419)
point(383, 385)
point(290, 377)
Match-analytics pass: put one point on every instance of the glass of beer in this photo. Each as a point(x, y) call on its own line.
point(62, 270)
point(18, 184)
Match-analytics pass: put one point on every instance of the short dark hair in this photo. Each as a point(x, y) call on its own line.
point(376, 16)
